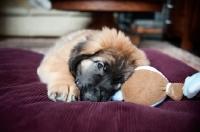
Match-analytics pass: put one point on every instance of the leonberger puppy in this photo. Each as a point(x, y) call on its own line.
point(89, 65)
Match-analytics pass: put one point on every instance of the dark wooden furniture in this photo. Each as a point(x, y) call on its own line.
point(102, 10)
point(185, 22)
point(184, 15)
point(109, 5)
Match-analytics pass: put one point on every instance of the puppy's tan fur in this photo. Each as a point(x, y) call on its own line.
point(54, 69)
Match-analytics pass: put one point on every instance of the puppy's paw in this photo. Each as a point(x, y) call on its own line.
point(64, 92)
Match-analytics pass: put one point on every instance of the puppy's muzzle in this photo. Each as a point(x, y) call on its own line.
point(92, 95)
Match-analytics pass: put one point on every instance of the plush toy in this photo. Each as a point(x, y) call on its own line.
point(150, 87)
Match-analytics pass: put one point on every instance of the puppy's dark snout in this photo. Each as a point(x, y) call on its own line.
point(93, 95)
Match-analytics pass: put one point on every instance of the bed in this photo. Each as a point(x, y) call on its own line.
point(25, 107)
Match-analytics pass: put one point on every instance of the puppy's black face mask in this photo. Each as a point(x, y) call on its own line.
point(98, 80)
point(95, 81)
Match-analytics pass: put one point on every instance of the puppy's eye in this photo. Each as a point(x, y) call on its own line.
point(117, 84)
point(105, 67)
point(100, 66)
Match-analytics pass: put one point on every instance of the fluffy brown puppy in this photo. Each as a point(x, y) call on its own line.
point(89, 65)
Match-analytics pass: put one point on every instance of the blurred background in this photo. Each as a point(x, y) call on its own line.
point(21, 19)
point(170, 26)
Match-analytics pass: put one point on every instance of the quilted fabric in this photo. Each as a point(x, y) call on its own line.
point(25, 107)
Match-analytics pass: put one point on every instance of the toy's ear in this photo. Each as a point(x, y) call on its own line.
point(175, 91)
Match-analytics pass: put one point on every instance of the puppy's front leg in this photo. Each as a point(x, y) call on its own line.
point(60, 83)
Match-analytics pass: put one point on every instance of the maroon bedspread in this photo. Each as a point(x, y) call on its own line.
point(24, 105)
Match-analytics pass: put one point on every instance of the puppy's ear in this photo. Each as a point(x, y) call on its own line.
point(139, 58)
point(74, 61)
point(82, 50)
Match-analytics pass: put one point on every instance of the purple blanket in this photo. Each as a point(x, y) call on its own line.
point(24, 105)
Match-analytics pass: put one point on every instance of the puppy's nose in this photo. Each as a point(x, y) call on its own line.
point(90, 97)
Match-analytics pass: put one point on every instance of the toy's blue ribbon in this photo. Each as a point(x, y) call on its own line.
point(118, 97)
point(192, 85)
